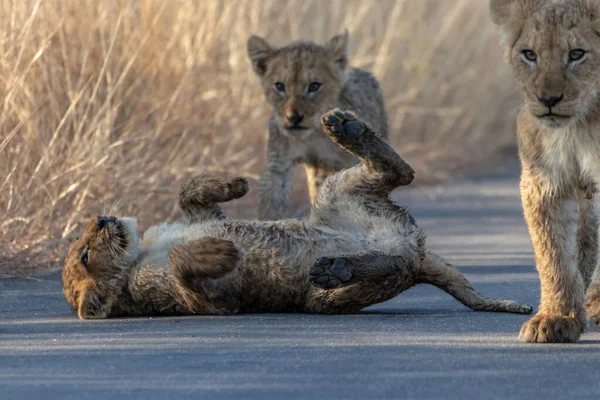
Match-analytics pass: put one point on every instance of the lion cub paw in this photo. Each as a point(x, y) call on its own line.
point(235, 187)
point(330, 273)
point(342, 125)
point(544, 328)
point(206, 257)
point(208, 188)
point(592, 303)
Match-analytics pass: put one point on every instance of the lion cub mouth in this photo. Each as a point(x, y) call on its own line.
point(114, 229)
point(297, 131)
point(553, 115)
point(296, 128)
point(553, 120)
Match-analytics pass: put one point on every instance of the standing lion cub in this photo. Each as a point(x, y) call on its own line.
point(367, 248)
point(554, 49)
point(301, 81)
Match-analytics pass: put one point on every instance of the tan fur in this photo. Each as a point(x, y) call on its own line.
point(368, 250)
point(559, 148)
point(296, 66)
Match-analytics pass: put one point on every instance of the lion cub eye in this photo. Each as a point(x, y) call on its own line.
point(576, 55)
point(85, 258)
point(314, 87)
point(280, 87)
point(529, 55)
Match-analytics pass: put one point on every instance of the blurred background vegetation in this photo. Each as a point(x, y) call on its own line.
point(108, 105)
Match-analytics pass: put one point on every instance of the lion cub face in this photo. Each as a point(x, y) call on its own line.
point(97, 266)
point(301, 81)
point(554, 48)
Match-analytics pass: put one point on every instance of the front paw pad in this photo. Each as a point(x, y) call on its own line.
point(342, 124)
point(330, 273)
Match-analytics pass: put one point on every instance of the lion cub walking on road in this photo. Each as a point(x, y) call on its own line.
point(554, 49)
point(301, 81)
point(367, 248)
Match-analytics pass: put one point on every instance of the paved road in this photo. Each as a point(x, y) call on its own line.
point(422, 344)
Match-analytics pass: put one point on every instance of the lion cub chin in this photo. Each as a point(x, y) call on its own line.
point(553, 48)
point(301, 81)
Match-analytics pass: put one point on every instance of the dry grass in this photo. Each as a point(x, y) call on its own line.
point(107, 105)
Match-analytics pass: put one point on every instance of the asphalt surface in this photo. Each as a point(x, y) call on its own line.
point(423, 344)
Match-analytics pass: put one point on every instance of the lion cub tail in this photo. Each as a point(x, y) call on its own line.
point(438, 272)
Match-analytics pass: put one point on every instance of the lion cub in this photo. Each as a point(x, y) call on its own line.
point(554, 49)
point(367, 249)
point(301, 81)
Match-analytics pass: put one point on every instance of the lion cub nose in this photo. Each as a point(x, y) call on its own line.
point(294, 117)
point(549, 101)
point(102, 221)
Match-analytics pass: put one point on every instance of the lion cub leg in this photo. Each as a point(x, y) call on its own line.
point(275, 185)
point(315, 177)
point(552, 223)
point(592, 298)
point(587, 237)
point(200, 268)
point(198, 197)
point(438, 272)
point(347, 284)
point(382, 169)
point(588, 241)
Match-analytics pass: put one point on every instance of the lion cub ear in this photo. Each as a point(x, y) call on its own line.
point(509, 15)
point(259, 52)
point(338, 46)
point(90, 304)
point(500, 10)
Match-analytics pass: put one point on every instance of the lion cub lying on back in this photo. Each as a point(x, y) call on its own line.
point(367, 249)
point(301, 81)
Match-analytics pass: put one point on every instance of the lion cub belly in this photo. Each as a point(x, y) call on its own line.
point(159, 240)
point(295, 246)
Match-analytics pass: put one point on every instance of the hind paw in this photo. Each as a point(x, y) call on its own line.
point(215, 187)
point(342, 125)
point(236, 187)
point(330, 273)
point(208, 188)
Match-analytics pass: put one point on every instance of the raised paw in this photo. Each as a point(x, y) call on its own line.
point(330, 273)
point(207, 188)
point(342, 124)
point(236, 187)
point(592, 303)
point(544, 328)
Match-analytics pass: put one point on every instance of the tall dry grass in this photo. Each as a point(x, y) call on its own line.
point(107, 105)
